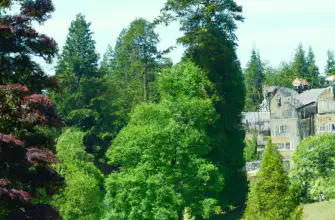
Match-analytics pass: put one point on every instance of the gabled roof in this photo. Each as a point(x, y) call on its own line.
point(310, 96)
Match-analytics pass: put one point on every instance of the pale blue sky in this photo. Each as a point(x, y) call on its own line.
point(274, 26)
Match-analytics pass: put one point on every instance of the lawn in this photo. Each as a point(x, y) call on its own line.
point(319, 211)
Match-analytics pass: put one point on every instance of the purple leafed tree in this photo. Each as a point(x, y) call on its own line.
point(27, 150)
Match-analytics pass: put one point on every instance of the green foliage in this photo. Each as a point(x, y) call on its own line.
point(299, 64)
point(82, 197)
point(162, 154)
point(253, 78)
point(270, 197)
point(209, 39)
point(313, 70)
point(250, 150)
point(314, 167)
point(330, 66)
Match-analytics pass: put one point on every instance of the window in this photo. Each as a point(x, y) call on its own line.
point(283, 129)
point(280, 145)
point(287, 146)
point(322, 128)
point(288, 114)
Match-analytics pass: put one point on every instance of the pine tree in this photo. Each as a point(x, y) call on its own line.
point(107, 64)
point(136, 59)
point(77, 67)
point(20, 42)
point(330, 66)
point(269, 196)
point(253, 79)
point(209, 39)
point(299, 64)
point(313, 70)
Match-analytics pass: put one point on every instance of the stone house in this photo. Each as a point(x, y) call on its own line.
point(293, 117)
point(325, 119)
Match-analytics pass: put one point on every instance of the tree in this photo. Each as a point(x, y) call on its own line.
point(299, 64)
point(330, 66)
point(136, 59)
point(82, 197)
point(253, 79)
point(27, 154)
point(269, 196)
point(313, 70)
point(209, 39)
point(162, 154)
point(250, 151)
point(313, 170)
point(77, 66)
point(286, 75)
point(81, 99)
point(19, 43)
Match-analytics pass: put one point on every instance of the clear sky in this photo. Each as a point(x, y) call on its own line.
point(275, 27)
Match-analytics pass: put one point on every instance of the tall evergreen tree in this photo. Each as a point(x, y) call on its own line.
point(78, 61)
point(313, 70)
point(269, 196)
point(330, 66)
point(81, 98)
point(254, 78)
point(299, 64)
point(209, 39)
point(135, 59)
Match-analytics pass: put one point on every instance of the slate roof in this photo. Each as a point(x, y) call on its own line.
point(310, 96)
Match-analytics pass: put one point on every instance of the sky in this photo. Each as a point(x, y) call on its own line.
point(274, 27)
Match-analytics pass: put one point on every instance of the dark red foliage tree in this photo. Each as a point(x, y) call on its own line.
point(27, 118)
point(26, 156)
point(19, 42)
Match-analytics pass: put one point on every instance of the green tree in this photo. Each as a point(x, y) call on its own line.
point(285, 75)
point(330, 66)
point(135, 59)
point(313, 170)
point(269, 196)
point(270, 75)
point(250, 150)
point(78, 62)
point(209, 37)
point(254, 78)
point(82, 197)
point(162, 154)
point(313, 70)
point(299, 64)
point(82, 98)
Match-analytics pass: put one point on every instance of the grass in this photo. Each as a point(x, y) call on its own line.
point(319, 211)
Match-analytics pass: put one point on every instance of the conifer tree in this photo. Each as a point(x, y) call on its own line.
point(77, 68)
point(330, 66)
point(254, 78)
point(313, 70)
point(269, 196)
point(299, 64)
point(210, 41)
point(81, 98)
